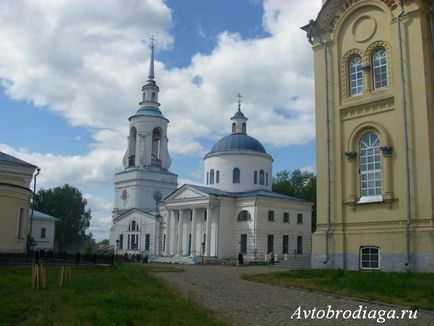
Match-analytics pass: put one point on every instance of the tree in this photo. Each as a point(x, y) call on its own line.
point(68, 205)
point(300, 184)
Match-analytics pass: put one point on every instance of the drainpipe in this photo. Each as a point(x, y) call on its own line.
point(33, 205)
point(406, 147)
point(329, 188)
point(431, 19)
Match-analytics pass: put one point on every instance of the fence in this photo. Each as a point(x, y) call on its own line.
point(52, 258)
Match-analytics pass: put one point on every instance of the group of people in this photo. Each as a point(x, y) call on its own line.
point(128, 258)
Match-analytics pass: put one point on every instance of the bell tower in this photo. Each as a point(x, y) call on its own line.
point(147, 160)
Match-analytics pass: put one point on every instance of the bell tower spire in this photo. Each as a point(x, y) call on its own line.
point(150, 89)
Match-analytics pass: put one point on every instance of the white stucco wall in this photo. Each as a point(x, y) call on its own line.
point(48, 241)
point(246, 162)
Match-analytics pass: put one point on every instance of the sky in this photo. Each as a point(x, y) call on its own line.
point(71, 73)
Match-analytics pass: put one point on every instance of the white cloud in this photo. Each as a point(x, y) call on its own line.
point(86, 61)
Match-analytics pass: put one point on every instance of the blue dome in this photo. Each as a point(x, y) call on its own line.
point(239, 115)
point(237, 142)
point(150, 111)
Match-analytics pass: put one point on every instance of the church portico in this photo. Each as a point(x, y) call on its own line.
point(188, 229)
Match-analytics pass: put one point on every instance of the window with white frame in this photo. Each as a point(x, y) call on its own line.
point(356, 76)
point(217, 176)
point(244, 216)
point(370, 165)
point(369, 258)
point(236, 175)
point(379, 69)
point(211, 176)
point(43, 234)
point(261, 177)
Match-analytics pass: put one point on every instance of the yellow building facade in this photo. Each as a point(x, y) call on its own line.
point(375, 134)
point(15, 178)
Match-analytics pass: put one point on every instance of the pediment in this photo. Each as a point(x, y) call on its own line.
point(133, 213)
point(186, 192)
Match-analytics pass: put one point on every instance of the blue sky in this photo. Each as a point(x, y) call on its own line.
point(71, 75)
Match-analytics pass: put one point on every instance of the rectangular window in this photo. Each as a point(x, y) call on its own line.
point(255, 177)
point(271, 216)
point(285, 244)
point(43, 233)
point(286, 217)
point(299, 244)
point(300, 218)
point(147, 241)
point(369, 258)
point(164, 243)
point(243, 243)
point(20, 232)
point(129, 241)
point(121, 241)
point(270, 243)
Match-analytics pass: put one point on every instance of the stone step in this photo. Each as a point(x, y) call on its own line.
point(185, 260)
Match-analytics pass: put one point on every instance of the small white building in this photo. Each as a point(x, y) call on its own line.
point(43, 229)
point(234, 212)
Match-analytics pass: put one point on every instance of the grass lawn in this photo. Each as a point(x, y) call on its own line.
point(415, 290)
point(126, 295)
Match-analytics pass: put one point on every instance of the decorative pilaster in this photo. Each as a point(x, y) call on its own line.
point(387, 174)
point(351, 173)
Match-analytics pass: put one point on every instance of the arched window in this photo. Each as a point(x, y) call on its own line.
point(369, 258)
point(244, 216)
point(266, 179)
point(356, 76)
point(236, 175)
point(370, 165)
point(244, 127)
point(133, 226)
point(207, 178)
point(156, 147)
point(379, 68)
point(154, 96)
point(217, 176)
point(211, 176)
point(255, 177)
point(233, 127)
point(132, 147)
point(261, 177)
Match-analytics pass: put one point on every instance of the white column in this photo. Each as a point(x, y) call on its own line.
point(193, 233)
point(216, 228)
point(168, 234)
point(179, 249)
point(186, 233)
point(208, 233)
point(148, 149)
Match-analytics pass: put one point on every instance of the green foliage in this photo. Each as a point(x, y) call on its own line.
point(104, 242)
point(68, 205)
point(89, 246)
point(414, 289)
point(300, 184)
point(126, 295)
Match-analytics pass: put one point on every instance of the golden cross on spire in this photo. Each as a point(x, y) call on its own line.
point(239, 101)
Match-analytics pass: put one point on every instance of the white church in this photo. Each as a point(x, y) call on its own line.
point(234, 212)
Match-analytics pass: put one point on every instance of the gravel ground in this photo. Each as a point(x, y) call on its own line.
point(240, 302)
